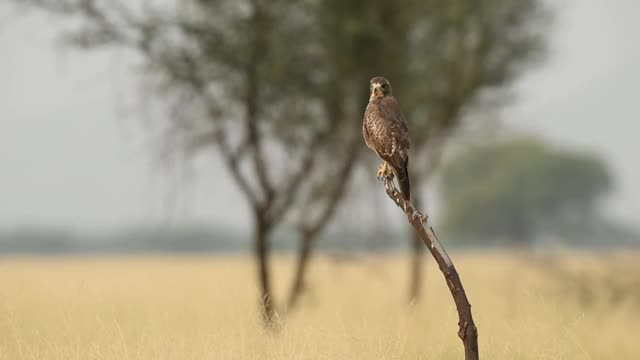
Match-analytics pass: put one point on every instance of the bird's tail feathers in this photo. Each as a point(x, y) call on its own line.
point(403, 180)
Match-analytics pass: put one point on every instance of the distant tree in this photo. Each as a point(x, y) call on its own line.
point(445, 59)
point(465, 54)
point(247, 78)
point(363, 39)
point(519, 189)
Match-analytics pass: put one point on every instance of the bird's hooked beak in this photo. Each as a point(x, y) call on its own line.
point(376, 91)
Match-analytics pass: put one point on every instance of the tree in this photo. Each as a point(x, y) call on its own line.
point(519, 189)
point(246, 77)
point(466, 54)
point(445, 59)
point(363, 39)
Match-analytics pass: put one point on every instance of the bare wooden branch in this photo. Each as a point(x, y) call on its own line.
point(232, 160)
point(310, 227)
point(254, 136)
point(288, 191)
point(467, 328)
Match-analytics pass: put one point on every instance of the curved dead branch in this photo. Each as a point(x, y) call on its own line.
point(467, 328)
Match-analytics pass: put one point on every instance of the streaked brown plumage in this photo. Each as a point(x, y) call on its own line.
point(385, 132)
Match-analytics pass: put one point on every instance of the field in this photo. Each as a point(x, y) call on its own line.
point(206, 308)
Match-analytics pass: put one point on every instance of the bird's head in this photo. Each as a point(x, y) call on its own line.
point(380, 87)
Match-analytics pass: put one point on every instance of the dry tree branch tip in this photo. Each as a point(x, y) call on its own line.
point(468, 331)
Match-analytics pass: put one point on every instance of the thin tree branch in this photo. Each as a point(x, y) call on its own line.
point(252, 102)
point(467, 328)
point(337, 190)
point(232, 160)
point(255, 139)
point(289, 191)
point(309, 227)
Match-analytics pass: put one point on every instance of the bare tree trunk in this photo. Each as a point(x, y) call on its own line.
point(261, 243)
point(310, 230)
point(467, 332)
point(417, 259)
point(306, 242)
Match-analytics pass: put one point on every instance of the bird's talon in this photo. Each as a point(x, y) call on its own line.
point(383, 171)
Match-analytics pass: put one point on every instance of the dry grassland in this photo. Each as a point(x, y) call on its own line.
point(206, 308)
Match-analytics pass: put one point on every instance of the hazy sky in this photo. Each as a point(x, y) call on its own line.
point(70, 155)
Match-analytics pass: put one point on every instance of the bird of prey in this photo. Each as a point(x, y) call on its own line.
point(385, 132)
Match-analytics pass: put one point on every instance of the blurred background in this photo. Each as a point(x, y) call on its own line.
point(214, 149)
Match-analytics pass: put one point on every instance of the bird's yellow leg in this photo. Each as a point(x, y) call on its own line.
point(383, 170)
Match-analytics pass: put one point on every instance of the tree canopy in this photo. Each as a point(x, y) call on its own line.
point(519, 189)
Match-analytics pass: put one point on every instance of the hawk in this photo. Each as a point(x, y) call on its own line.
point(385, 132)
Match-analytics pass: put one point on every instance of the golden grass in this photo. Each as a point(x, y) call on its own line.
point(206, 308)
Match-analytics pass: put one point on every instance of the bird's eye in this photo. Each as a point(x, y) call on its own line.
point(384, 86)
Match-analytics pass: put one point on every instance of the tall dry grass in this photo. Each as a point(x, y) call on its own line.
point(206, 308)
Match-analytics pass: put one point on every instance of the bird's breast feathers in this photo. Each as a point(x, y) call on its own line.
point(384, 128)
